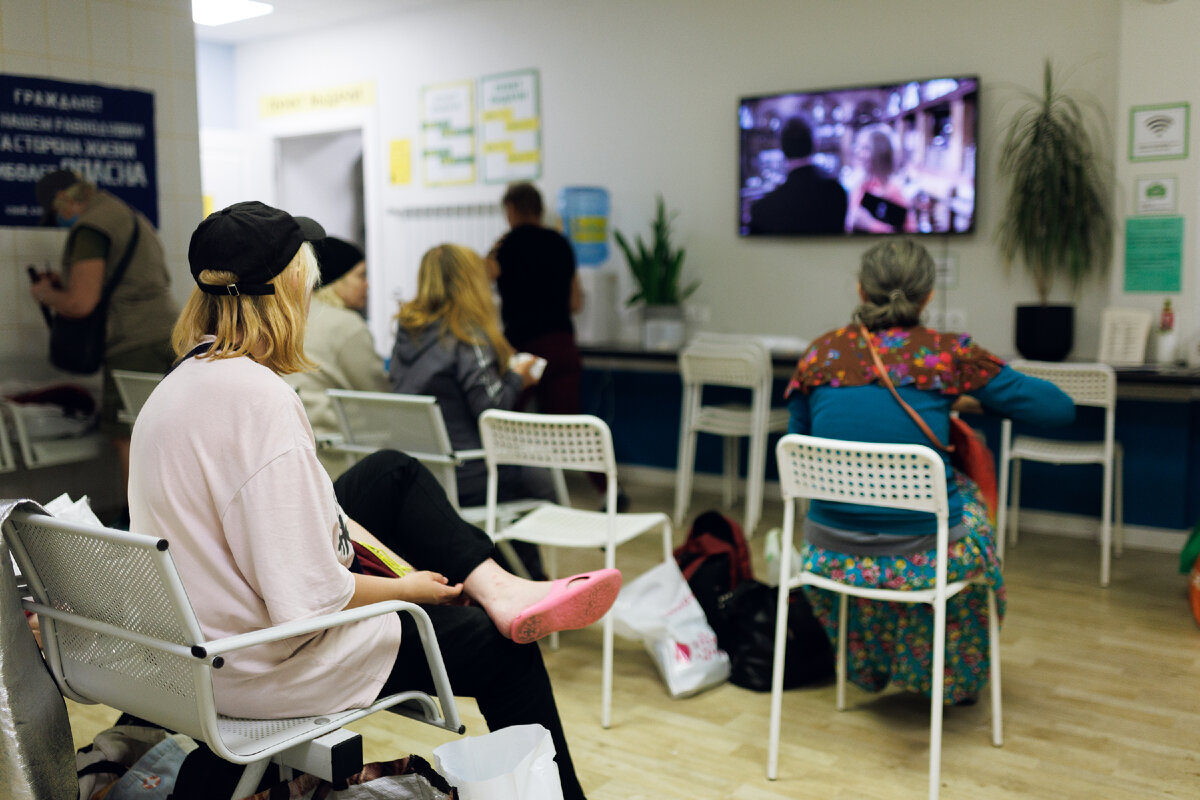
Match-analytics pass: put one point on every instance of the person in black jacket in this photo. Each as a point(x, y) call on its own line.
point(807, 202)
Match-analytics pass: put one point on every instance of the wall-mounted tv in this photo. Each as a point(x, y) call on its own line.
point(893, 158)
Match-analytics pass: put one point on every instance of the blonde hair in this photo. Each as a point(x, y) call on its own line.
point(452, 290)
point(269, 328)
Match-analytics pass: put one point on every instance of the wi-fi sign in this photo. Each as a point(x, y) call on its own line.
point(1159, 124)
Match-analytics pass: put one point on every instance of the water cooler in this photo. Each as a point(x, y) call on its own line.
point(585, 213)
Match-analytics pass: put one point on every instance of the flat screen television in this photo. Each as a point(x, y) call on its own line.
point(863, 160)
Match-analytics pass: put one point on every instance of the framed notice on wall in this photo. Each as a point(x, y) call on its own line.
point(104, 133)
point(511, 126)
point(448, 134)
point(1153, 254)
point(1158, 132)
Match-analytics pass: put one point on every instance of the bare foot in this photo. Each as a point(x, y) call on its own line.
point(502, 594)
point(526, 610)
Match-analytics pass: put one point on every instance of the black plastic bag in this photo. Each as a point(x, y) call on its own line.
point(747, 617)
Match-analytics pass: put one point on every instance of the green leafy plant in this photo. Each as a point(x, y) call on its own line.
point(656, 268)
point(1057, 217)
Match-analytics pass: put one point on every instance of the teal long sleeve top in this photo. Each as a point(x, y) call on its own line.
point(869, 413)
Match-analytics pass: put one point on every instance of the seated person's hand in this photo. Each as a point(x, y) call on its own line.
point(428, 588)
point(965, 404)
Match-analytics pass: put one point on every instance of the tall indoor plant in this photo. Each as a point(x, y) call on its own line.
point(657, 270)
point(1057, 218)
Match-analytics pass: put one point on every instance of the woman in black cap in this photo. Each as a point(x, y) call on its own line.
point(338, 341)
point(224, 466)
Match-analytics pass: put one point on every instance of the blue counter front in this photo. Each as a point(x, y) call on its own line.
point(639, 395)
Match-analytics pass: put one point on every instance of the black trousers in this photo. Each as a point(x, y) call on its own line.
point(399, 501)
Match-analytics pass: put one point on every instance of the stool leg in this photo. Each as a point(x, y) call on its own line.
point(1106, 515)
point(1119, 503)
point(1014, 507)
point(731, 469)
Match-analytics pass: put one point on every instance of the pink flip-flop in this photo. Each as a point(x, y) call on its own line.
point(573, 603)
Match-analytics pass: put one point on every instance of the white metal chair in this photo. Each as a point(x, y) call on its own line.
point(1087, 385)
point(50, 452)
point(413, 424)
point(118, 629)
point(577, 442)
point(890, 476)
point(1123, 336)
point(135, 389)
point(737, 361)
point(8, 461)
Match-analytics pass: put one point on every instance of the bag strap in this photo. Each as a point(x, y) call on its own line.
point(882, 375)
point(122, 265)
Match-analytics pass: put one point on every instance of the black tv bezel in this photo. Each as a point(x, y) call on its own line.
point(860, 87)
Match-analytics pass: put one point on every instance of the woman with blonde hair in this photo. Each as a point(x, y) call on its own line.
point(224, 466)
point(449, 346)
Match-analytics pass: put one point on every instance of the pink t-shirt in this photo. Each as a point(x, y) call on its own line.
point(223, 466)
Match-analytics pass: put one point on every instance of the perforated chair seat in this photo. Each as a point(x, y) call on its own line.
point(1059, 451)
point(732, 419)
point(572, 527)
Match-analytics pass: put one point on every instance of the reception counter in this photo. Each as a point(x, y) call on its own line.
point(639, 394)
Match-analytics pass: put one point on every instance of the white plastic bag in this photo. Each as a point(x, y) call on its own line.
point(659, 608)
point(513, 763)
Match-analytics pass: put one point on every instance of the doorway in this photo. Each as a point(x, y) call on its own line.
point(321, 176)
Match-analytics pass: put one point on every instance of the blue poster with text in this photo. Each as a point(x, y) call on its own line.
point(103, 133)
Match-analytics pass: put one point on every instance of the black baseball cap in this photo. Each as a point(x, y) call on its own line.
point(253, 241)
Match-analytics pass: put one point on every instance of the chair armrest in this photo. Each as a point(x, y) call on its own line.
point(299, 627)
point(467, 455)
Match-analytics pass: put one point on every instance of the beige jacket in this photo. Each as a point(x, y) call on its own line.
point(338, 340)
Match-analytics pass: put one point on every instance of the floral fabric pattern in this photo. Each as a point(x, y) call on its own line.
point(950, 363)
point(891, 643)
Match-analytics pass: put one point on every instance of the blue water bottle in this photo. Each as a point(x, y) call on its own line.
point(584, 212)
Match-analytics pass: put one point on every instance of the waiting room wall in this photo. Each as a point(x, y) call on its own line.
point(641, 98)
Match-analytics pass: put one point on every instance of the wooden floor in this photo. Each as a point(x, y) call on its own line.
point(1101, 699)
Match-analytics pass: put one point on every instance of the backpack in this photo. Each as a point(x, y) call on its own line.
point(714, 560)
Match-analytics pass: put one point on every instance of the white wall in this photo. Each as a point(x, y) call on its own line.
point(641, 97)
point(142, 44)
point(1159, 64)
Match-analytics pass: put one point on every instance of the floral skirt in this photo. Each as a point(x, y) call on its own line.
point(891, 643)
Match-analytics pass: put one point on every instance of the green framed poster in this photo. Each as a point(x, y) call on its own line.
point(510, 126)
point(1153, 254)
point(1158, 132)
point(448, 134)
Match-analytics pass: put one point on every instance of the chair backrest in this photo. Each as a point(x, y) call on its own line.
point(725, 360)
point(1123, 336)
point(8, 460)
point(1091, 384)
point(579, 442)
point(117, 627)
point(909, 476)
point(134, 388)
point(409, 422)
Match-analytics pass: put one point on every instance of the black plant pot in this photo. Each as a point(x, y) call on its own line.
point(1045, 333)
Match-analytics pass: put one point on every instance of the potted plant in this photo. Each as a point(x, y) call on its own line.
point(1057, 218)
point(656, 271)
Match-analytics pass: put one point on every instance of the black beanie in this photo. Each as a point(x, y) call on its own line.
point(337, 257)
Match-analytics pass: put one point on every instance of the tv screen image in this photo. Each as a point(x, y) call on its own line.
point(894, 158)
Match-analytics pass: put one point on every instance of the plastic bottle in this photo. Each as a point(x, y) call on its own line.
point(1165, 343)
